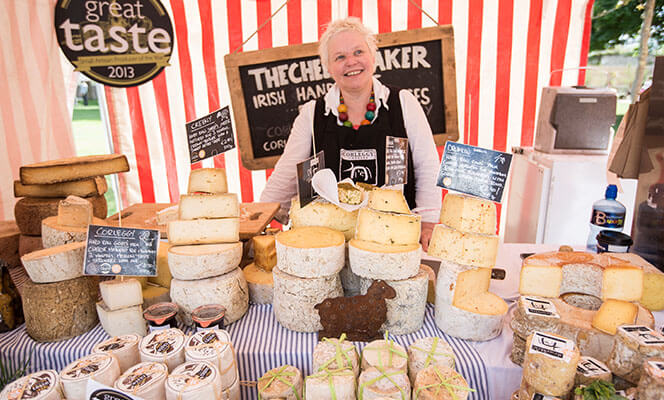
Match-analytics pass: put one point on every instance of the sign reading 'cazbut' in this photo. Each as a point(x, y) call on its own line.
point(119, 43)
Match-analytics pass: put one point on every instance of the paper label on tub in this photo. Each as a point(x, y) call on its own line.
point(99, 391)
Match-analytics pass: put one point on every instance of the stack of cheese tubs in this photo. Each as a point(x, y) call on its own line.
point(467, 245)
point(121, 309)
point(259, 273)
point(206, 251)
point(214, 346)
point(387, 246)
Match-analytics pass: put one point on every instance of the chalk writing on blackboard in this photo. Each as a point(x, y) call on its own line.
point(112, 250)
point(210, 135)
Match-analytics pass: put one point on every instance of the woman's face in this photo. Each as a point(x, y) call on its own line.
point(350, 62)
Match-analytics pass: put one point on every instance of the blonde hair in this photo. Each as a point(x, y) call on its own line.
point(342, 25)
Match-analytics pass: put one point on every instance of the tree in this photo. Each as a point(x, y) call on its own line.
point(617, 21)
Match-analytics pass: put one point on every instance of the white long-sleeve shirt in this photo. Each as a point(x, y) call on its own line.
point(282, 184)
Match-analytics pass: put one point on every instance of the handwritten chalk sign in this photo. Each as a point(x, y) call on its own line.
point(396, 160)
point(474, 170)
point(112, 250)
point(210, 135)
point(305, 173)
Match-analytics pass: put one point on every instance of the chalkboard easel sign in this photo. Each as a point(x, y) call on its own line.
point(268, 86)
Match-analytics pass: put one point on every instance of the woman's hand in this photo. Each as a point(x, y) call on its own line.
point(427, 230)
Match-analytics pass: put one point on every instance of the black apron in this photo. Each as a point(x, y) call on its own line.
point(360, 154)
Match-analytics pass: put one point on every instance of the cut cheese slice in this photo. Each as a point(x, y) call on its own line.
point(204, 231)
point(470, 325)
point(203, 261)
point(119, 294)
point(54, 234)
point(75, 212)
point(549, 365)
point(87, 187)
point(382, 261)
point(322, 213)
point(465, 248)
point(56, 263)
point(388, 200)
point(31, 211)
point(163, 277)
point(123, 347)
point(388, 228)
point(123, 321)
point(471, 283)
point(221, 205)
point(261, 284)
point(471, 280)
point(468, 214)
point(265, 252)
point(310, 251)
point(100, 367)
point(145, 380)
point(622, 282)
point(482, 303)
point(614, 313)
point(208, 180)
point(163, 345)
point(70, 169)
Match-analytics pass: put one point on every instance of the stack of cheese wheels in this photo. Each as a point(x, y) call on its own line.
point(42, 385)
point(146, 380)
point(164, 346)
point(634, 344)
point(100, 367)
point(335, 370)
point(214, 346)
point(206, 251)
point(194, 380)
point(283, 382)
point(309, 259)
point(124, 348)
point(467, 245)
point(259, 273)
point(120, 311)
point(384, 371)
point(387, 246)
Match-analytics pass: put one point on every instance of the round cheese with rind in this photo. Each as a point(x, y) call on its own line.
point(203, 261)
point(31, 211)
point(467, 248)
point(468, 214)
point(330, 384)
point(54, 234)
point(380, 261)
point(287, 387)
point(123, 347)
point(429, 351)
point(392, 383)
point(633, 345)
point(145, 380)
point(440, 382)
point(42, 385)
point(384, 354)
point(469, 325)
point(100, 367)
point(260, 283)
point(327, 351)
point(215, 347)
point(164, 346)
point(193, 380)
point(55, 264)
point(310, 251)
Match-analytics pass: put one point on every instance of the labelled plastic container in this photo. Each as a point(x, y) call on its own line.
point(613, 242)
point(161, 316)
point(607, 214)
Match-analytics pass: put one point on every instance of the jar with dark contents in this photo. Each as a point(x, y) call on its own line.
point(209, 316)
point(161, 316)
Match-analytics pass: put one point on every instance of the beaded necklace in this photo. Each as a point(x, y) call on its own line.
point(368, 116)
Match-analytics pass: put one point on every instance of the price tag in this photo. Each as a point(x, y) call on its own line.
point(540, 396)
point(112, 250)
point(97, 391)
point(588, 366)
point(643, 334)
point(474, 170)
point(305, 172)
point(396, 160)
point(656, 368)
point(552, 346)
point(541, 307)
point(210, 135)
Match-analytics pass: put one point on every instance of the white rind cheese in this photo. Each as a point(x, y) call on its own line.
point(288, 387)
point(549, 364)
point(388, 228)
point(384, 354)
point(310, 251)
point(123, 347)
point(229, 290)
point(55, 264)
point(467, 248)
point(468, 325)
point(634, 344)
point(146, 380)
point(119, 294)
point(195, 206)
point(388, 200)
point(203, 261)
point(204, 231)
point(208, 180)
point(54, 234)
point(329, 385)
point(325, 356)
point(295, 298)
point(380, 261)
point(405, 312)
point(100, 367)
point(323, 213)
point(434, 380)
point(429, 351)
point(469, 214)
point(123, 321)
point(215, 347)
point(374, 384)
point(163, 346)
point(193, 380)
point(42, 385)
point(260, 283)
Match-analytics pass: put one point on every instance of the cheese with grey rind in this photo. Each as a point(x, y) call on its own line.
point(325, 356)
point(54, 234)
point(221, 205)
point(388, 228)
point(289, 387)
point(146, 380)
point(467, 248)
point(390, 382)
point(429, 351)
point(468, 325)
point(550, 362)
point(100, 367)
point(203, 261)
point(310, 251)
point(204, 231)
point(123, 347)
point(229, 290)
point(651, 384)
point(295, 298)
point(634, 344)
point(41, 385)
point(55, 264)
point(123, 321)
point(380, 261)
point(589, 370)
point(164, 346)
point(119, 294)
point(405, 312)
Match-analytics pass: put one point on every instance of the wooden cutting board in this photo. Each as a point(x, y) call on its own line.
point(254, 217)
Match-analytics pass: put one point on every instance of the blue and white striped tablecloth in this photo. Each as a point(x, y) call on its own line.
point(260, 343)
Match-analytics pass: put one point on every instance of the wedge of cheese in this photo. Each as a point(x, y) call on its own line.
point(123, 321)
point(55, 264)
point(388, 228)
point(614, 313)
point(622, 282)
point(208, 180)
point(466, 248)
point(265, 251)
point(204, 231)
point(221, 205)
point(322, 213)
point(70, 169)
point(260, 283)
point(119, 294)
point(74, 211)
point(388, 200)
point(83, 188)
point(468, 214)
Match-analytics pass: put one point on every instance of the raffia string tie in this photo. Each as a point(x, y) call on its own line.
point(272, 376)
point(330, 374)
point(391, 351)
point(382, 375)
point(431, 353)
point(444, 383)
point(339, 355)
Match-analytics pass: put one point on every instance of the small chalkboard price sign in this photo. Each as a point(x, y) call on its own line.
point(305, 173)
point(396, 160)
point(210, 135)
point(474, 170)
point(112, 250)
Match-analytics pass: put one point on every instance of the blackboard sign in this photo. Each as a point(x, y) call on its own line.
point(269, 86)
point(210, 135)
point(396, 160)
point(474, 170)
point(112, 250)
point(305, 173)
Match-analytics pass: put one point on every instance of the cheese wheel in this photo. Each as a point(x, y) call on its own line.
point(28, 244)
point(294, 299)
point(204, 231)
point(260, 283)
point(146, 380)
point(469, 214)
point(323, 213)
point(60, 310)
point(230, 290)
point(54, 234)
point(71, 169)
point(391, 383)
point(9, 239)
point(380, 261)
point(330, 385)
point(31, 211)
point(42, 385)
point(384, 354)
point(163, 346)
point(193, 380)
point(432, 383)
point(549, 365)
point(203, 261)
point(326, 352)
point(83, 188)
point(55, 264)
point(100, 367)
point(287, 387)
point(651, 384)
point(589, 370)
point(467, 248)
point(215, 347)
point(484, 324)
point(208, 180)
point(310, 251)
point(123, 347)
point(74, 211)
point(121, 293)
point(123, 321)
point(405, 312)
point(426, 352)
point(220, 205)
point(633, 345)
point(388, 228)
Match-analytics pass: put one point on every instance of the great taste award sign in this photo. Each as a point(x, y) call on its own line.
point(118, 43)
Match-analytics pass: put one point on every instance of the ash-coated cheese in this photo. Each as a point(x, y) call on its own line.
point(467, 248)
point(535, 314)
point(100, 367)
point(388, 228)
point(123, 347)
point(260, 283)
point(651, 384)
point(75, 212)
point(330, 385)
point(614, 313)
point(215, 347)
point(123, 321)
point(405, 312)
point(222, 205)
point(328, 351)
point(87, 187)
point(288, 386)
point(265, 251)
point(310, 251)
point(41, 385)
point(163, 346)
point(350, 281)
point(388, 200)
point(203, 261)
point(294, 299)
point(518, 349)
point(323, 213)
point(31, 211)
point(204, 231)
point(230, 290)
point(208, 180)
point(429, 351)
point(435, 382)
point(163, 277)
point(381, 261)
point(550, 362)
point(153, 294)
point(55, 264)
point(480, 319)
point(60, 310)
point(634, 344)
point(388, 382)
point(589, 370)
point(54, 234)
point(384, 354)
point(145, 380)
point(119, 294)
point(468, 214)
point(193, 380)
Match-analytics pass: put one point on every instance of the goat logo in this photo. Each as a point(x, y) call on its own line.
point(359, 172)
point(359, 165)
